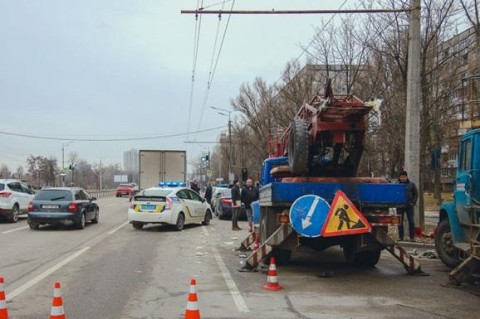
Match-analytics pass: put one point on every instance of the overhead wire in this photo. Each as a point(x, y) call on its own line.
point(154, 137)
point(196, 45)
point(212, 71)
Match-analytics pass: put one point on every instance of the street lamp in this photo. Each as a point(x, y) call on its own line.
point(229, 137)
point(63, 161)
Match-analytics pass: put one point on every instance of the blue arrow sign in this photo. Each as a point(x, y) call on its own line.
point(308, 214)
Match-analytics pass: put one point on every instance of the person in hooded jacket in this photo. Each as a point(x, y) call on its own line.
point(408, 210)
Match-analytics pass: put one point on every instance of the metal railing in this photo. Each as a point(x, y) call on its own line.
point(102, 193)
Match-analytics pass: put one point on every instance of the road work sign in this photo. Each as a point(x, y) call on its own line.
point(308, 214)
point(344, 218)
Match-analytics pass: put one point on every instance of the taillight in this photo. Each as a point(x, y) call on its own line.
point(5, 194)
point(226, 201)
point(30, 206)
point(169, 203)
point(73, 207)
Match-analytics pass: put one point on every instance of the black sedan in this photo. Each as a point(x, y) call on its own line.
point(62, 205)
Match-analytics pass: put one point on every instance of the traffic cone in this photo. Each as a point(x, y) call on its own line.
point(3, 303)
point(57, 311)
point(192, 311)
point(272, 280)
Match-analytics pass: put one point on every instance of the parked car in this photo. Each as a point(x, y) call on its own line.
point(216, 194)
point(224, 206)
point(125, 189)
point(62, 205)
point(175, 206)
point(14, 198)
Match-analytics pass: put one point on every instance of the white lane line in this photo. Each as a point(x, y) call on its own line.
point(14, 230)
point(118, 228)
point(236, 295)
point(45, 274)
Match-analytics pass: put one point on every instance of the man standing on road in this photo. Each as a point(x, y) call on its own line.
point(249, 194)
point(412, 196)
point(208, 193)
point(236, 201)
point(194, 186)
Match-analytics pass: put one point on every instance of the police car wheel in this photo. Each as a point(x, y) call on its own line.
point(137, 225)
point(208, 217)
point(180, 222)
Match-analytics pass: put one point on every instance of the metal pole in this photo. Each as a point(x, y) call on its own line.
point(229, 146)
point(414, 106)
point(63, 165)
point(100, 175)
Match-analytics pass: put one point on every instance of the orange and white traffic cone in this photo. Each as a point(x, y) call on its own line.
point(192, 311)
point(3, 302)
point(272, 280)
point(57, 311)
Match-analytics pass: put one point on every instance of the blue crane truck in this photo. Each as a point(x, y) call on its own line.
point(457, 236)
point(310, 193)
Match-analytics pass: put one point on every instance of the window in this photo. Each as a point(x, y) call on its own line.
point(183, 194)
point(84, 195)
point(466, 163)
point(15, 186)
point(53, 195)
point(194, 196)
point(2, 187)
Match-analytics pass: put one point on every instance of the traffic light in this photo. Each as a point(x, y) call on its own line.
point(244, 174)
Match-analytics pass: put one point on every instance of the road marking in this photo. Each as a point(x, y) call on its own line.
point(118, 228)
point(236, 295)
point(45, 274)
point(13, 230)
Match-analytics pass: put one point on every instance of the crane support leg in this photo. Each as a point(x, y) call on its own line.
point(411, 264)
point(468, 267)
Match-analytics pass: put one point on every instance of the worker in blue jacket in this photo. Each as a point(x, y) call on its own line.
point(412, 197)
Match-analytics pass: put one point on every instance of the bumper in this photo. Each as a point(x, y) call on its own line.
point(159, 218)
point(53, 218)
point(5, 211)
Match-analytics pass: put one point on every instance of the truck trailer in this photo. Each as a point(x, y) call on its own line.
point(157, 166)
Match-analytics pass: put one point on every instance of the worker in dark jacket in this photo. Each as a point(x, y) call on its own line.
point(249, 194)
point(412, 197)
point(236, 202)
point(208, 193)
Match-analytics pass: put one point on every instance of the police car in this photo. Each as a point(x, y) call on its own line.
point(169, 204)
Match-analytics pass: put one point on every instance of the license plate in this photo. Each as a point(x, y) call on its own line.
point(50, 206)
point(149, 207)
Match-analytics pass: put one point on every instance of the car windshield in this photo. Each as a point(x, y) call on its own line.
point(54, 195)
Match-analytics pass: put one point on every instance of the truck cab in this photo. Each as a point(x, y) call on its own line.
point(458, 231)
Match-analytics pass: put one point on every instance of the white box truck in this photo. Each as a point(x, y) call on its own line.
point(161, 166)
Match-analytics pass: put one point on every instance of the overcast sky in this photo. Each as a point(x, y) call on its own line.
point(107, 69)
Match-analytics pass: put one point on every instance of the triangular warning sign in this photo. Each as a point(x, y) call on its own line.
point(344, 218)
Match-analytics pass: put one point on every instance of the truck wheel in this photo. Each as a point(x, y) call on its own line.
point(298, 147)
point(367, 258)
point(444, 245)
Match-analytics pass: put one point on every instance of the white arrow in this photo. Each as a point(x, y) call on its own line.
point(306, 221)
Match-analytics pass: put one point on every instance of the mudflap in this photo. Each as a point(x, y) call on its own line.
point(411, 265)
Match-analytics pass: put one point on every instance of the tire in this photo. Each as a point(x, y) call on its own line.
point(97, 217)
point(180, 222)
point(298, 147)
point(367, 258)
point(207, 219)
point(444, 244)
point(81, 223)
point(137, 225)
point(14, 214)
point(33, 226)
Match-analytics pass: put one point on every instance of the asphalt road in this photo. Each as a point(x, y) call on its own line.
point(110, 270)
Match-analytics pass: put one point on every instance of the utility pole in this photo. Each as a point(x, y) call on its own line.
point(230, 148)
point(63, 165)
point(414, 106)
point(100, 175)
